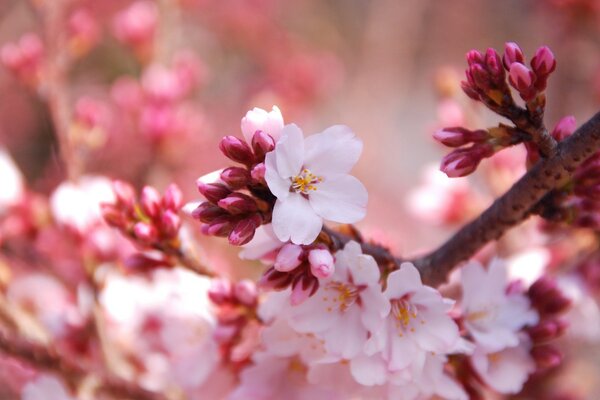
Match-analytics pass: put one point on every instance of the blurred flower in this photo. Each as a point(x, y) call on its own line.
point(13, 187)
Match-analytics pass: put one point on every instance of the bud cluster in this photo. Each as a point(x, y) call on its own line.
point(300, 267)
point(152, 221)
point(24, 58)
point(238, 202)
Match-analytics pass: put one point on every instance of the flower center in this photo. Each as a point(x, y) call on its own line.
point(343, 297)
point(305, 182)
point(404, 313)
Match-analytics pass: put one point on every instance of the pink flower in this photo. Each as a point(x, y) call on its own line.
point(258, 119)
point(418, 322)
point(491, 315)
point(505, 371)
point(348, 306)
point(310, 179)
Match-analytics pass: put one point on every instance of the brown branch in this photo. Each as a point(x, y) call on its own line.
point(514, 206)
point(45, 358)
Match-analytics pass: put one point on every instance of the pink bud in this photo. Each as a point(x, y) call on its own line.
point(144, 262)
point(238, 203)
point(544, 62)
point(145, 232)
point(90, 112)
point(150, 201)
point(221, 226)
point(458, 136)
point(225, 333)
point(32, 48)
point(321, 263)
point(258, 119)
point(474, 57)
point(546, 356)
point(521, 78)
point(170, 223)
point(262, 143)
point(564, 128)
point(124, 193)
point(244, 230)
point(545, 331)
point(173, 198)
point(136, 24)
point(235, 177)
point(464, 161)
point(83, 29)
point(288, 257)
point(213, 191)
point(470, 91)
point(220, 291)
point(207, 212)
point(112, 215)
point(494, 66)
point(245, 292)
point(481, 77)
point(275, 280)
point(512, 54)
point(236, 150)
point(303, 287)
point(258, 173)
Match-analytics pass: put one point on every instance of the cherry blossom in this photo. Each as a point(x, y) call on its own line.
point(257, 119)
point(492, 315)
point(310, 179)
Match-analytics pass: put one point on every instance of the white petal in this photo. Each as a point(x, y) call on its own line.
point(289, 151)
point(341, 198)
point(365, 271)
point(334, 151)
point(369, 371)
point(403, 281)
point(295, 220)
point(279, 186)
point(263, 242)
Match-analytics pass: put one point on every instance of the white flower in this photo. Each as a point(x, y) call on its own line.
point(258, 119)
point(505, 371)
point(347, 307)
point(418, 322)
point(310, 179)
point(492, 316)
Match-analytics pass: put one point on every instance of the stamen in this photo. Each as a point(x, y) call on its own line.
point(305, 182)
point(346, 296)
point(404, 312)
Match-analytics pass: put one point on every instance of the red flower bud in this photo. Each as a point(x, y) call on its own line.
point(237, 150)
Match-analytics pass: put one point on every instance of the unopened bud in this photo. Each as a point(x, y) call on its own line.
point(544, 62)
point(150, 201)
point(258, 173)
point(522, 78)
point(462, 162)
point(512, 54)
point(235, 177)
point(213, 192)
point(288, 257)
point(145, 232)
point(546, 356)
point(474, 57)
point(564, 128)
point(458, 136)
point(170, 223)
point(207, 212)
point(262, 143)
point(112, 215)
point(220, 291)
point(244, 230)
point(245, 292)
point(494, 66)
point(481, 77)
point(221, 226)
point(547, 330)
point(321, 263)
point(237, 150)
point(238, 203)
point(144, 262)
point(124, 193)
point(173, 198)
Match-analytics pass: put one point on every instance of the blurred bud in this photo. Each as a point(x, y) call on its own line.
point(564, 128)
point(170, 223)
point(544, 62)
point(245, 292)
point(458, 136)
point(547, 298)
point(125, 193)
point(145, 232)
point(83, 31)
point(303, 287)
point(112, 215)
point(236, 150)
point(275, 280)
point(143, 262)
point(207, 212)
point(321, 263)
point(546, 356)
point(258, 174)
point(213, 191)
point(547, 330)
point(512, 54)
point(238, 203)
point(235, 177)
point(262, 143)
point(288, 257)
point(220, 291)
point(136, 24)
point(244, 230)
point(150, 201)
point(173, 198)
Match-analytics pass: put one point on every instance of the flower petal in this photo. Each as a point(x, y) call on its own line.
point(295, 220)
point(403, 281)
point(289, 151)
point(333, 151)
point(341, 198)
point(279, 186)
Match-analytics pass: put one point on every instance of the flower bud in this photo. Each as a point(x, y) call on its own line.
point(564, 128)
point(546, 356)
point(245, 292)
point(275, 280)
point(236, 150)
point(235, 177)
point(512, 54)
point(321, 263)
point(522, 78)
point(258, 119)
point(547, 330)
point(112, 215)
point(170, 223)
point(258, 174)
point(207, 212)
point(288, 257)
point(244, 230)
point(124, 193)
point(303, 287)
point(544, 62)
point(221, 226)
point(220, 291)
point(238, 203)
point(150, 201)
point(481, 77)
point(494, 67)
point(470, 91)
point(213, 192)
point(145, 232)
point(474, 57)
point(262, 143)
point(458, 136)
point(462, 162)
point(173, 198)
point(144, 262)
